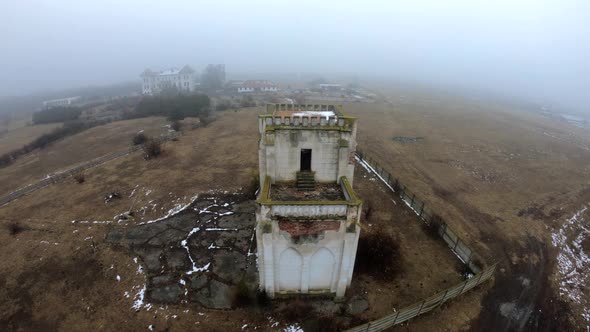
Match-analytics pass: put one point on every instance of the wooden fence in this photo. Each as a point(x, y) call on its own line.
point(425, 305)
point(460, 248)
point(56, 177)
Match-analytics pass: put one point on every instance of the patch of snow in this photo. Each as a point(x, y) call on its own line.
point(139, 297)
point(573, 262)
point(370, 169)
point(118, 277)
point(293, 328)
point(91, 222)
point(184, 244)
point(133, 191)
point(175, 210)
point(221, 229)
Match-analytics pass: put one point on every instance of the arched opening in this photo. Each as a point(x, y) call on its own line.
point(290, 266)
point(321, 270)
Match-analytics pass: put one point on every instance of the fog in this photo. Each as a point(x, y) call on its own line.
point(538, 50)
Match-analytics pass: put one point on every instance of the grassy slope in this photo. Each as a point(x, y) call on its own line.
point(76, 149)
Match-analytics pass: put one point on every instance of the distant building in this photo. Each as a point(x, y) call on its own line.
point(330, 87)
point(181, 79)
point(257, 86)
point(60, 102)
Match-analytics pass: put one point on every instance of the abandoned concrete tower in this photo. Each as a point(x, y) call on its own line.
point(307, 213)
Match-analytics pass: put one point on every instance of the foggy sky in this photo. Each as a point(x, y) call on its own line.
point(532, 49)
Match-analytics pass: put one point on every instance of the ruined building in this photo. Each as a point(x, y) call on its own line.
point(307, 214)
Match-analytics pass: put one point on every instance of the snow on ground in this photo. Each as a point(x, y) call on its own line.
point(573, 262)
point(293, 328)
point(370, 169)
point(175, 210)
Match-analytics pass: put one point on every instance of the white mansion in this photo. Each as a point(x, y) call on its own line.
point(181, 79)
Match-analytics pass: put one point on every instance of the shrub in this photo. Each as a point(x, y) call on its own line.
point(247, 101)
point(139, 138)
point(205, 120)
point(297, 310)
point(57, 114)
point(79, 177)
point(241, 295)
point(378, 256)
point(175, 125)
point(175, 107)
point(152, 148)
point(368, 209)
point(223, 106)
point(252, 187)
point(327, 323)
point(14, 228)
point(262, 299)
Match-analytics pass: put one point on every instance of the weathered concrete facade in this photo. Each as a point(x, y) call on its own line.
point(287, 129)
point(307, 245)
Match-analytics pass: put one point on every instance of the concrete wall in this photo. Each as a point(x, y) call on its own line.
point(322, 262)
point(280, 154)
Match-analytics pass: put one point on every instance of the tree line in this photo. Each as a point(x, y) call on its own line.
point(175, 107)
point(57, 114)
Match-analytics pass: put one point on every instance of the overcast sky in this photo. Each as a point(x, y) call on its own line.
point(534, 49)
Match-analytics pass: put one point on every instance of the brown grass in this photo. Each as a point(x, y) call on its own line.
point(73, 150)
point(15, 138)
point(478, 166)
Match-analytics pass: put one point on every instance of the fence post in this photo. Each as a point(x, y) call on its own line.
point(456, 243)
point(421, 210)
point(463, 288)
point(368, 326)
point(420, 310)
point(443, 298)
point(412, 202)
point(469, 257)
point(395, 319)
point(402, 192)
point(479, 279)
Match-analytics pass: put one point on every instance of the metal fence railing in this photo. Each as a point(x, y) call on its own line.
point(458, 246)
point(450, 237)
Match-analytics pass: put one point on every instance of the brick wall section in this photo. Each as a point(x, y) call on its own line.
point(297, 228)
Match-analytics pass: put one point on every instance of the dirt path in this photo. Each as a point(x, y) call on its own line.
point(521, 299)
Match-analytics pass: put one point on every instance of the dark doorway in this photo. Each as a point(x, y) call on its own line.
point(305, 160)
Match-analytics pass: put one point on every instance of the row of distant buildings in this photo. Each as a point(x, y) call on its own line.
point(64, 102)
point(185, 79)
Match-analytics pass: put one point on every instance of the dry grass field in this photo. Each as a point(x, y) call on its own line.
point(506, 180)
point(73, 150)
point(16, 137)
